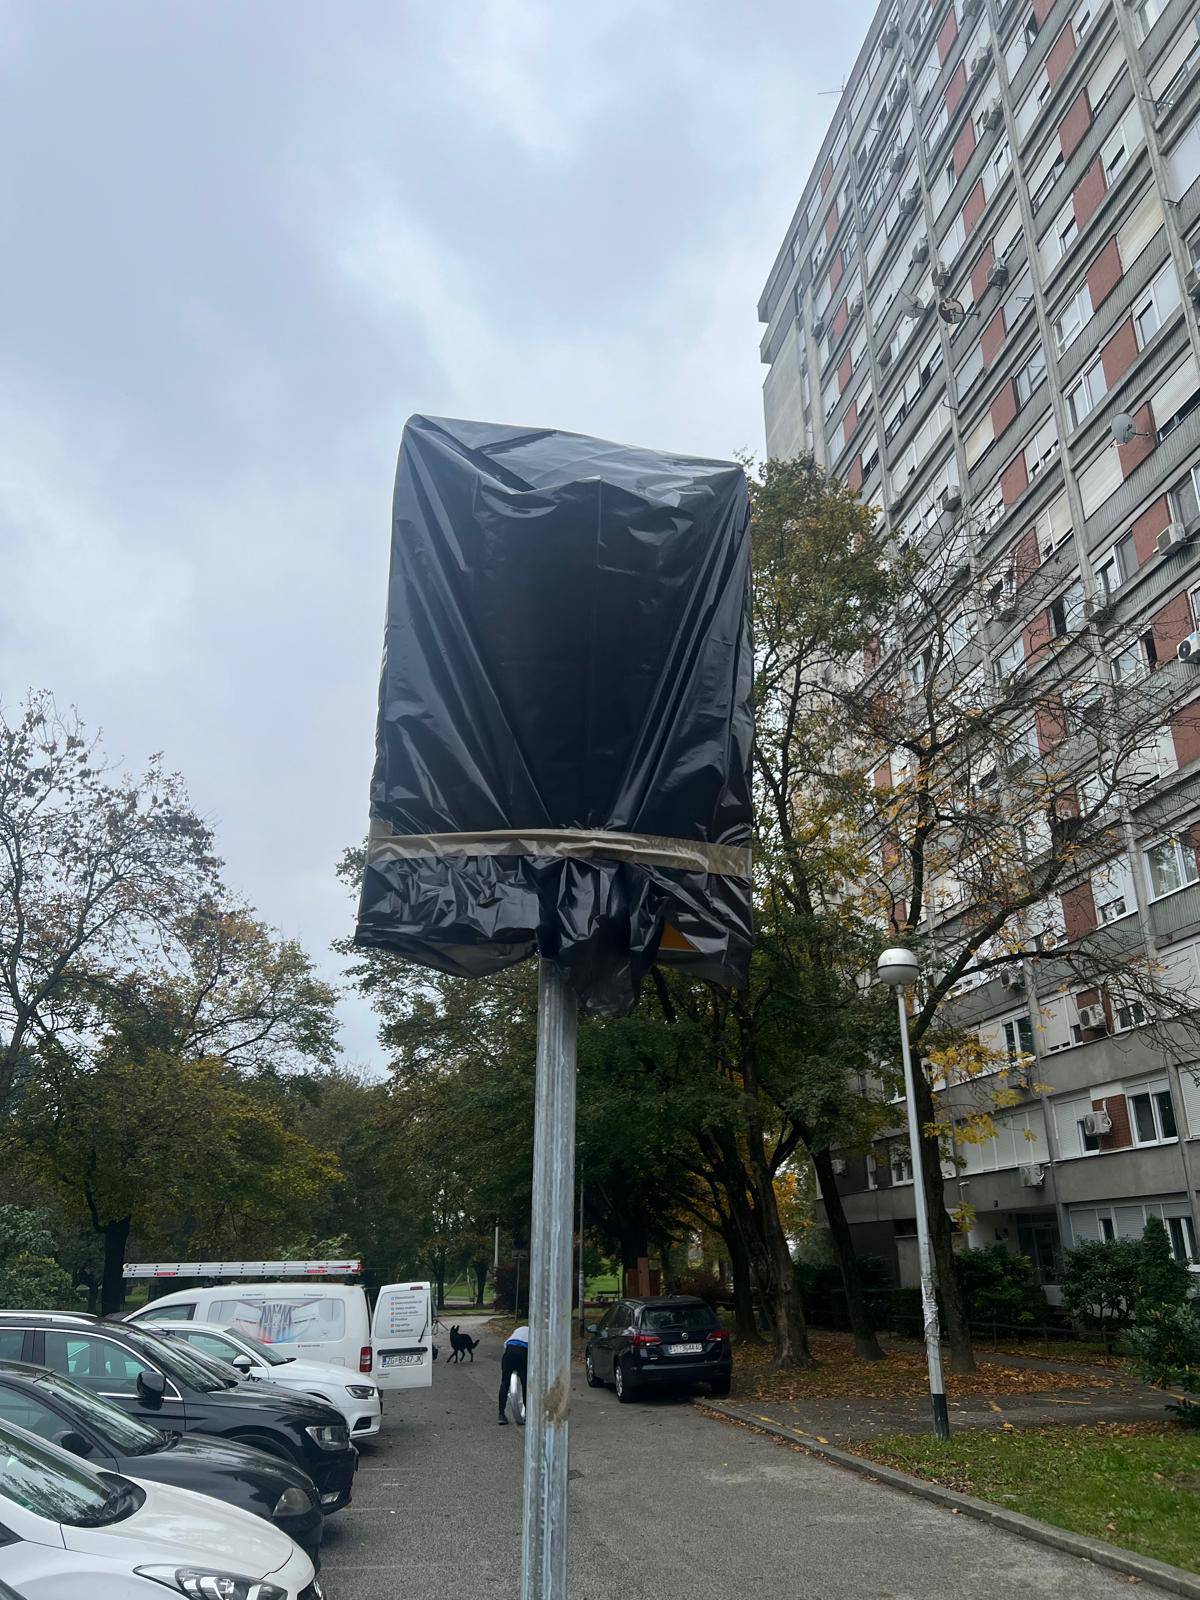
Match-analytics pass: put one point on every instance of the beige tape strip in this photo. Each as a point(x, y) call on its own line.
point(687, 855)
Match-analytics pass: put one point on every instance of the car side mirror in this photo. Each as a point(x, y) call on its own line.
point(593, 1327)
point(151, 1387)
point(74, 1442)
point(243, 1362)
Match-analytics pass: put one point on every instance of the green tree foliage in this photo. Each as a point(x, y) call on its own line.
point(1167, 1346)
point(1162, 1282)
point(1100, 1283)
point(30, 1275)
point(1000, 1287)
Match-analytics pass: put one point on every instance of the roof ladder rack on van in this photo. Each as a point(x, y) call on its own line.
point(242, 1269)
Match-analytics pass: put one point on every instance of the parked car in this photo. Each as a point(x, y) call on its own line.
point(355, 1396)
point(75, 1533)
point(87, 1425)
point(169, 1387)
point(314, 1321)
point(668, 1340)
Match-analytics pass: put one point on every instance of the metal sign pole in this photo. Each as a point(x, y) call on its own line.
point(544, 1535)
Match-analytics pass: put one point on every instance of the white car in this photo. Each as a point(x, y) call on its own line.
point(356, 1397)
point(76, 1532)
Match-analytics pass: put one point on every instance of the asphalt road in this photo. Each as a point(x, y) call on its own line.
point(666, 1504)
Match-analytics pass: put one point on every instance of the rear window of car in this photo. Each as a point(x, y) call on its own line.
point(687, 1319)
point(298, 1320)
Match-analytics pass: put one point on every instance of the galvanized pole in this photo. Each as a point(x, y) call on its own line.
point(933, 1336)
point(544, 1539)
point(582, 1282)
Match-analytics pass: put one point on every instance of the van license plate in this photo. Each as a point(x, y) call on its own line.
point(410, 1358)
point(686, 1349)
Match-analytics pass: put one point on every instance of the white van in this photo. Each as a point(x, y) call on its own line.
point(403, 1335)
point(313, 1321)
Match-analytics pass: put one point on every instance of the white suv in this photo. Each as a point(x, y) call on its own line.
point(357, 1398)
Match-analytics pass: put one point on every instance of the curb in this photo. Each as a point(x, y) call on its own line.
point(1144, 1568)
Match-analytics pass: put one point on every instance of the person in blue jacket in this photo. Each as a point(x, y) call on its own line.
point(515, 1359)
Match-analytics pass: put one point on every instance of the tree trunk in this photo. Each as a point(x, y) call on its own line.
point(866, 1345)
point(744, 1320)
point(112, 1283)
point(941, 1229)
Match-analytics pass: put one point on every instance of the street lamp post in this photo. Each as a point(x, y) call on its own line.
point(899, 970)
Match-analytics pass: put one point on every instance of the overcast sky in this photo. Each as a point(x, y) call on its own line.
point(244, 239)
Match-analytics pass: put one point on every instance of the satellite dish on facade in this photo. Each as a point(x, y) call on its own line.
point(1124, 429)
point(952, 311)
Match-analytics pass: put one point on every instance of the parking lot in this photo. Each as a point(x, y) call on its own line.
point(666, 1504)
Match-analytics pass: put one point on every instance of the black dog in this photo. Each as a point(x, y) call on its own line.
point(463, 1345)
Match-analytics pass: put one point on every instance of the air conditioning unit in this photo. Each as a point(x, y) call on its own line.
point(980, 62)
point(1092, 1018)
point(1011, 978)
point(1096, 1124)
point(853, 307)
point(920, 252)
point(896, 164)
point(940, 276)
point(997, 275)
point(1172, 536)
point(890, 37)
point(1191, 285)
point(818, 325)
point(951, 498)
point(839, 1167)
point(1189, 649)
point(993, 116)
point(1033, 1175)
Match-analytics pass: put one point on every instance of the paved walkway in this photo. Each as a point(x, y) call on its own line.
point(666, 1504)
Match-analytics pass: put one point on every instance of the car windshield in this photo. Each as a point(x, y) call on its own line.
point(183, 1364)
point(123, 1434)
point(678, 1319)
point(262, 1351)
point(50, 1484)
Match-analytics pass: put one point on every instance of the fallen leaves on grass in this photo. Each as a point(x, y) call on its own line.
point(840, 1375)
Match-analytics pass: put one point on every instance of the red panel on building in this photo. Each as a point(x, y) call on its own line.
point(1036, 637)
point(1051, 723)
point(1079, 911)
point(827, 177)
point(1089, 192)
point(854, 478)
point(1059, 54)
point(1014, 480)
point(882, 776)
point(964, 146)
point(991, 340)
point(1171, 626)
point(831, 224)
point(840, 318)
point(1004, 407)
point(979, 273)
point(1132, 455)
point(974, 207)
point(1041, 10)
point(1026, 558)
point(1104, 274)
point(1075, 124)
point(1147, 528)
point(849, 422)
point(1185, 733)
point(1119, 354)
point(955, 89)
point(1117, 1107)
point(845, 372)
point(947, 36)
point(870, 655)
point(836, 272)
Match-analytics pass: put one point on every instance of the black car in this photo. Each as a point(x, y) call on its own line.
point(76, 1419)
point(174, 1389)
point(669, 1340)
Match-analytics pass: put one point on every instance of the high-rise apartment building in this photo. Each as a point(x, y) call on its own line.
point(988, 300)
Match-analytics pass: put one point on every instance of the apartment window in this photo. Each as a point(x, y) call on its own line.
point(901, 1164)
point(1065, 230)
point(999, 162)
point(1047, 180)
point(937, 127)
point(1156, 305)
point(829, 395)
point(1147, 14)
point(1082, 20)
point(1116, 567)
point(1018, 1036)
point(1041, 449)
point(1086, 393)
point(1113, 155)
point(1066, 613)
point(1031, 375)
point(1151, 1113)
point(928, 76)
point(1171, 865)
point(955, 238)
point(1074, 317)
point(1193, 244)
point(1112, 891)
point(1069, 1120)
point(1182, 1234)
point(1053, 527)
point(969, 371)
point(1136, 660)
point(1185, 497)
point(1010, 661)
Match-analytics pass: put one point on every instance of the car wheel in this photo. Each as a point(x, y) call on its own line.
point(269, 1447)
point(621, 1383)
point(721, 1386)
point(589, 1371)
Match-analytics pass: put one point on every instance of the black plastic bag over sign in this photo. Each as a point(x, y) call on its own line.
point(563, 748)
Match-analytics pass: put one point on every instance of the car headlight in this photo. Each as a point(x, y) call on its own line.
point(293, 1502)
point(361, 1391)
point(330, 1436)
point(200, 1584)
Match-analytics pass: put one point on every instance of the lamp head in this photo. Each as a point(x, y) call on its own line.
point(898, 968)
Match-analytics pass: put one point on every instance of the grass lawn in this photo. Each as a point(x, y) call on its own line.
point(1136, 1485)
point(839, 1374)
